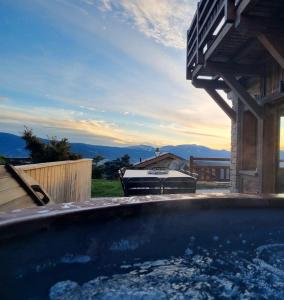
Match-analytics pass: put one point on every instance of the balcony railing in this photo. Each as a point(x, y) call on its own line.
point(211, 168)
point(211, 16)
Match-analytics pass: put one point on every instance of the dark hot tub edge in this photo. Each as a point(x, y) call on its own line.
point(195, 201)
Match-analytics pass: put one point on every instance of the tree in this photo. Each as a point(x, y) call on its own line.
point(125, 161)
point(3, 160)
point(53, 150)
point(97, 159)
point(97, 169)
point(112, 167)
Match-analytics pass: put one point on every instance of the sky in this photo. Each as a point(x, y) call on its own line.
point(108, 72)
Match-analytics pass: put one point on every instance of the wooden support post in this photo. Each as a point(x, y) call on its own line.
point(222, 104)
point(269, 140)
point(245, 97)
point(260, 158)
point(272, 46)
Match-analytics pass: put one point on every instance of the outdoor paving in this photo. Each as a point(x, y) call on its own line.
point(212, 191)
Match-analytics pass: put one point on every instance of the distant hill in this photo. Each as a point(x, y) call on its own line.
point(195, 150)
point(89, 151)
point(13, 146)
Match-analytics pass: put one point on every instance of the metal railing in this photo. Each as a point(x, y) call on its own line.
point(209, 19)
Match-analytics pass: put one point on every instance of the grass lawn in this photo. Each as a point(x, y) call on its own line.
point(202, 185)
point(112, 188)
point(106, 188)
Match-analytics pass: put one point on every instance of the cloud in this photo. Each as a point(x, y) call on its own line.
point(164, 21)
point(63, 123)
point(137, 76)
point(3, 98)
point(78, 85)
point(105, 5)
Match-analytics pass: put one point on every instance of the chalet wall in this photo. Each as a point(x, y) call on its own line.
point(65, 181)
point(262, 177)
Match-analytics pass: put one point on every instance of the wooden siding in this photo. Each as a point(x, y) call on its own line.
point(65, 181)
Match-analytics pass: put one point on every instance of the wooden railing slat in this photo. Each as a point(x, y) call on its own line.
point(208, 17)
point(67, 181)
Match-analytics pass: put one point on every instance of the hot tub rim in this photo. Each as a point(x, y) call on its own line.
point(195, 202)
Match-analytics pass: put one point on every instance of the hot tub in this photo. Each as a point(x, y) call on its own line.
point(173, 247)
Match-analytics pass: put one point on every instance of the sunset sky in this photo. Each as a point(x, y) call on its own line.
point(108, 72)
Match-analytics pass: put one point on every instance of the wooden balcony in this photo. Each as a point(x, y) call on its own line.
point(229, 35)
point(238, 45)
point(210, 17)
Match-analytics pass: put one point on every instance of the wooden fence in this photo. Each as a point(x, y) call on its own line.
point(65, 181)
point(211, 169)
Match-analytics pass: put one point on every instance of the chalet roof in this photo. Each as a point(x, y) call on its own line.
point(156, 159)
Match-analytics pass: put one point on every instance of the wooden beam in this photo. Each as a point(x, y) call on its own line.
point(244, 96)
point(243, 50)
point(256, 24)
point(222, 103)
point(210, 84)
point(243, 7)
point(237, 69)
point(273, 47)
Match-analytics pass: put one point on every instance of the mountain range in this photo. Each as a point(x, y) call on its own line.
point(14, 146)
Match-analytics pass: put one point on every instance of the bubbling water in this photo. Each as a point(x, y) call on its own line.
point(202, 274)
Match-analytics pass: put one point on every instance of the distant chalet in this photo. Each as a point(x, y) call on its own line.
point(164, 160)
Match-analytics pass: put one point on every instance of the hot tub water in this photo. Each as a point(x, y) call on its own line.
point(207, 274)
point(171, 253)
